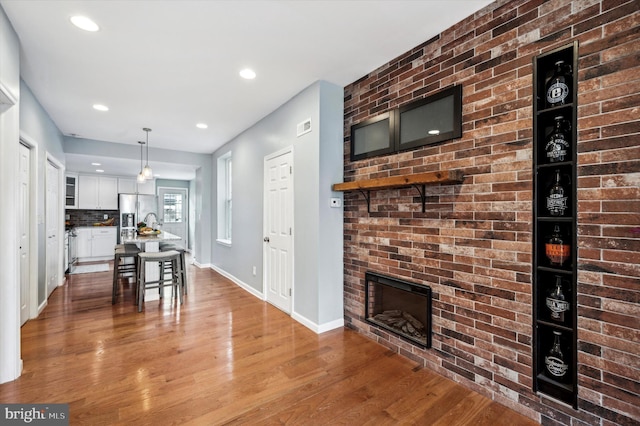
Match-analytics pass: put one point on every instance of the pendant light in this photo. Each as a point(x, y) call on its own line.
point(141, 174)
point(147, 172)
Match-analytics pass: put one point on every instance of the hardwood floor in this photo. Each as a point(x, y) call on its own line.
point(224, 357)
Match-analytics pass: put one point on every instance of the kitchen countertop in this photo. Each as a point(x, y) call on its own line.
point(134, 238)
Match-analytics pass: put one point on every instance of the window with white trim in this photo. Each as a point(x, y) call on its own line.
point(224, 198)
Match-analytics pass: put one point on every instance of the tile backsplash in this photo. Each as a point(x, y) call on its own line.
point(89, 217)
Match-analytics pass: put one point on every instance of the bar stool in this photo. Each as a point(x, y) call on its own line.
point(171, 257)
point(121, 268)
point(169, 246)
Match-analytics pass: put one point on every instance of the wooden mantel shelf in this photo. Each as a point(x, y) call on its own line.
point(416, 180)
point(429, 178)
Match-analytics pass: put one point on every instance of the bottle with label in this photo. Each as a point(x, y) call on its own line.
point(558, 88)
point(556, 302)
point(554, 361)
point(556, 249)
point(558, 143)
point(557, 200)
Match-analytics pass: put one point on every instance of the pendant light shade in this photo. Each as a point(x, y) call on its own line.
point(147, 171)
point(141, 174)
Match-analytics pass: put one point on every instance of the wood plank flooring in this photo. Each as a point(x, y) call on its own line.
point(224, 357)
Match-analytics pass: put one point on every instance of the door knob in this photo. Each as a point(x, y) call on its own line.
point(265, 239)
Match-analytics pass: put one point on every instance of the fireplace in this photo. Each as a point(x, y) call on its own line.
point(401, 307)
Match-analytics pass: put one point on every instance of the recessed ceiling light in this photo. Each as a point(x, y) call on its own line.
point(248, 74)
point(201, 126)
point(100, 107)
point(96, 164)
point(84, 23)
point(99, 170)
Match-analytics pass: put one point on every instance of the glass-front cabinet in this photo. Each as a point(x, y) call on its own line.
point(71, 191)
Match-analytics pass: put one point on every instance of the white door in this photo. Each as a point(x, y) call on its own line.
point(278, 229)
point(24, 235)
point(51, 223)
point(173, 209)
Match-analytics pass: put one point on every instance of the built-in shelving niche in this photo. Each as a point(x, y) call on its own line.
point(554, 375)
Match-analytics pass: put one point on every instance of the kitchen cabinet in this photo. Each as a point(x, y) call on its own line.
point(83, 240)
point(71, 191)
point(96, 243)
point(97, 192)
point(127, 186)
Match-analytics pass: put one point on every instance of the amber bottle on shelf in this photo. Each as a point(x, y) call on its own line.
point(557, 249)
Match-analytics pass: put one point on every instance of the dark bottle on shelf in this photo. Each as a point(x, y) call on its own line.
point(554, 361)
point(558, 144)
point(558, 88)
point(557, 200)
point(556, 302)
point(557, 250)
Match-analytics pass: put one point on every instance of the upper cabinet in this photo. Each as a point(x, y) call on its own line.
point(97, 192)
point(71, 191)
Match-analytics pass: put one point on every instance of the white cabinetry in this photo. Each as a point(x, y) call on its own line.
point(103, 241)
point(71, 191)
point(84, 242)
point(97, 193)
point(96, 243)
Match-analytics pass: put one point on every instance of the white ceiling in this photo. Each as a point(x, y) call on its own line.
point(169, 64)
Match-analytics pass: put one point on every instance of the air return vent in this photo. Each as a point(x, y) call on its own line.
point(304, 127)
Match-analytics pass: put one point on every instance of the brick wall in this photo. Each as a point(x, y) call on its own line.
point(473, 244)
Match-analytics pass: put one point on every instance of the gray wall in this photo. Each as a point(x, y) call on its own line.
point(36, 124)
point(9, 249)
point(317, 227)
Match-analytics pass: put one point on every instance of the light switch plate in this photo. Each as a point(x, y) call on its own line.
point(335, 202)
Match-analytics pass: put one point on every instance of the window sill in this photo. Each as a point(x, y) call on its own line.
point(224, 242)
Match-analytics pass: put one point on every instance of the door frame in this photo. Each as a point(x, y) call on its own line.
point(267, 158)
point(60, 207)
point(185, 206)
point(25, 140)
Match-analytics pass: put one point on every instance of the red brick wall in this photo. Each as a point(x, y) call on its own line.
point(473, 245)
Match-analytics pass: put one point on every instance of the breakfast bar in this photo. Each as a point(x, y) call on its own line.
point(149, 243)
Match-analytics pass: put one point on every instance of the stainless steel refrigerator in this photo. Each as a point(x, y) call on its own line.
point(134, 208)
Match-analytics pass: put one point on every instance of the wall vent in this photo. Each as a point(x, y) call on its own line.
point(304, 127)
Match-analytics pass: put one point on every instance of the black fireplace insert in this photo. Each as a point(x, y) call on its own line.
point(398, 306)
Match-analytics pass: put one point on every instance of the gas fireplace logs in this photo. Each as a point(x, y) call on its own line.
point(401, 321)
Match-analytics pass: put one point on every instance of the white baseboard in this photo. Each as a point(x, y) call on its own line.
point(240, 283)
point(318, 328)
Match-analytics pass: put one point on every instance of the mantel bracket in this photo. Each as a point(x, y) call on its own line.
point(367, 196)
point(423, 195)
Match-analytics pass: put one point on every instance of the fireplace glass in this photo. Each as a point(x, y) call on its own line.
point(400, 307)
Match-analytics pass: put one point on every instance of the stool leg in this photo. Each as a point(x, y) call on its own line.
point(141, 281)
point(180, 285)
point(114, 291)
point(184, 272)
